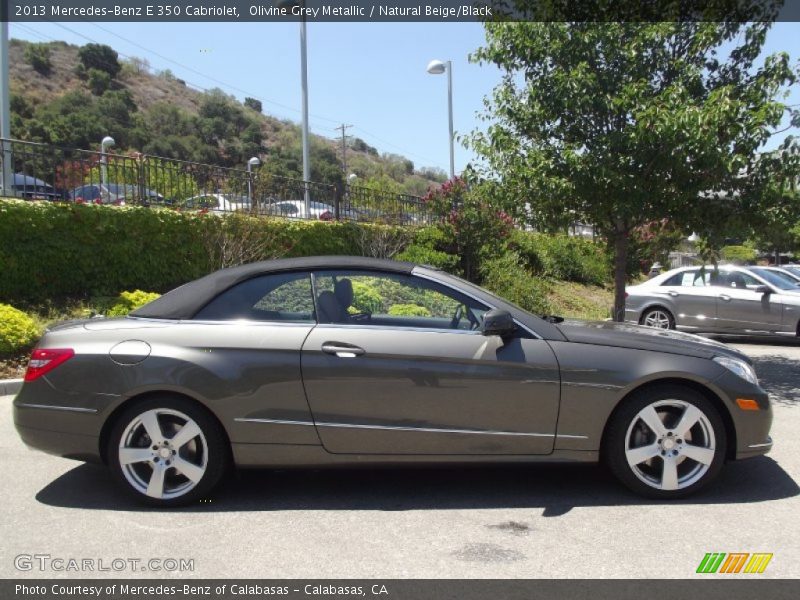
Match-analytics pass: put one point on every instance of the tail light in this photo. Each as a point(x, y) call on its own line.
point(45, 360)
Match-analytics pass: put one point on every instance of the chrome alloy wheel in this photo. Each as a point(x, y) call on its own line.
point(670, 444)
point(163, 453)
point(658, 319)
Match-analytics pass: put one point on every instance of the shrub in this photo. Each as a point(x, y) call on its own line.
point(562, 257)
point(424, 255)
point(507, 277)
point(409, 310)
point(101, 57)
point(17, 330)
point(366, 299)
point(99, 81)
point(38, 56)
point(128, 301)
point(738, 254)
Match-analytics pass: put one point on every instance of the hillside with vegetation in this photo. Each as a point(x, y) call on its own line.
point(74, 96)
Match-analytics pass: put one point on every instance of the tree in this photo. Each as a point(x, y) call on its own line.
point(254, 104)
point(621, 124)
point(101, 57)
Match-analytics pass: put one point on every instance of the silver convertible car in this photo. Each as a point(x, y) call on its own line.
point(730, 299)
point(332, 361)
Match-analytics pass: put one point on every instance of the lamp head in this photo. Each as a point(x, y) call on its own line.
point(436, 67)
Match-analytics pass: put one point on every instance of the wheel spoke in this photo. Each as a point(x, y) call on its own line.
point(702, 455)
point(690, 416)
point(636, 456)
point(669, 476)
point(653, 421)
point(155, 489)
point(128, 456)
point(151, 425)
point(191, 471)
point(187, 433)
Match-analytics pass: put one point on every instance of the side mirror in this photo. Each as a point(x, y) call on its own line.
point(498, 322)
point(763, 289)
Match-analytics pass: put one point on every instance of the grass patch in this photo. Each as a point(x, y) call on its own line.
point(576, 301)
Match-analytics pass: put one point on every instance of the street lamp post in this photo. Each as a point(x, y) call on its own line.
point(437, 67)
point(304, 90)
point(251, 164)
point(107, 142)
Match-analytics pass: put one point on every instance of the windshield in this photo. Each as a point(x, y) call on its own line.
point(781, 280)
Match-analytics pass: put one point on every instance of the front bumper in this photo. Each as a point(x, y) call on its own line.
point(751, 427)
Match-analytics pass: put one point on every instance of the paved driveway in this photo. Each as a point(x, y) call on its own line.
point(543, 521)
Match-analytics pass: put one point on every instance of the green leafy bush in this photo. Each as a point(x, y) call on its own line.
point(38, 56)
point(507, 277)
point(17, 330)
point(409, 310)
point(366, 299)
point(128, 301)
point(738, 254)
point(564, 257)
point(424, 255)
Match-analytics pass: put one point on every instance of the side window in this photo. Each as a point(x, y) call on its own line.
point(279, 297)
point(689, 279)
point(738, 280)
point(387, 299)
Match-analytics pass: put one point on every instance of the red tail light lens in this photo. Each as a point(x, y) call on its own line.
point(45, 360)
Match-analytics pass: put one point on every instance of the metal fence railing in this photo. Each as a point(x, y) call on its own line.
point(46, 172)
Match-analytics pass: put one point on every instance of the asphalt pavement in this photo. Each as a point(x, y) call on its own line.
point(521, 522)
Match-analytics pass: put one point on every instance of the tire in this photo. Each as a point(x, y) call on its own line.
point(647, 437)
point(185, 468)
point(659, 318)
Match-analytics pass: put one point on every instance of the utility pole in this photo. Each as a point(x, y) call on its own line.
point(7, 174)
point(343, 128)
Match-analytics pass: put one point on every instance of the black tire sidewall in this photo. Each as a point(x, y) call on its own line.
point(615, 439)
point(218, 449)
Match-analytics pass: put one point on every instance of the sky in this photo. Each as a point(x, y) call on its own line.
point(369, 75)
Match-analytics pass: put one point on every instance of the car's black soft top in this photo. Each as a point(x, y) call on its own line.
point(184, 302)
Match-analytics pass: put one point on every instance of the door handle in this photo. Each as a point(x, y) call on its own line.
point(725, 297)
point(673, 294)
point(342, 350)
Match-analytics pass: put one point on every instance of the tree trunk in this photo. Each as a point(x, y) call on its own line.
point(620, 273)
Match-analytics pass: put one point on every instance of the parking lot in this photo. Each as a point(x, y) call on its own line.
point(540, 521)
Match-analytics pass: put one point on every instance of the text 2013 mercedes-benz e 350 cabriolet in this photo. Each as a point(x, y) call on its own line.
point(339, 360)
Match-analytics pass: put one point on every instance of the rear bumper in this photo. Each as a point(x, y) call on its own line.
point(65, 445)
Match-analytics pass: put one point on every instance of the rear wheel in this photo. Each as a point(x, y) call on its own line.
point(666, 442)
point(658, 317)
point(167, 452)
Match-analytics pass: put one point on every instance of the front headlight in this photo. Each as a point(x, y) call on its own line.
point(741, 368)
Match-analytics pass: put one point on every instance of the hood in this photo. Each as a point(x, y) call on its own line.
point(639, 337)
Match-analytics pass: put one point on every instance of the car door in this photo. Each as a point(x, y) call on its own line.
point(398, 365)
point(740, 307)
point(693, 300)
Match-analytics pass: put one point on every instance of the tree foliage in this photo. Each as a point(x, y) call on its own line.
point(101, 57)
point(621, 124)
point(38, 56)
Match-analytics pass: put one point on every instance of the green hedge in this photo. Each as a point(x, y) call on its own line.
point(52, 251)
point(56, 251)
point(18, 331)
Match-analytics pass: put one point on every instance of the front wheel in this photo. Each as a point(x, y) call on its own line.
point(167, 452)
point(666, 442)
point(659, 318)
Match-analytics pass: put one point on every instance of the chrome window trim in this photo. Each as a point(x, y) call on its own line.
point(398, 328)
point(399, 428)
point(62, 408)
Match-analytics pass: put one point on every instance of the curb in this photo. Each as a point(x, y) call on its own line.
point(10, 386)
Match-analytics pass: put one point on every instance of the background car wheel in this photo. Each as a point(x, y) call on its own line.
point(167, 451)
point(658, 317)
point(665, 442)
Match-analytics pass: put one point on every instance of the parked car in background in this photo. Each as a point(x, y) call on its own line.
point(793, 269)
point(335, 361)
point(217, 203)
point(31, 188)
point(296, 209)
point(117, 194)
point(730, 299)
point(778, 276)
